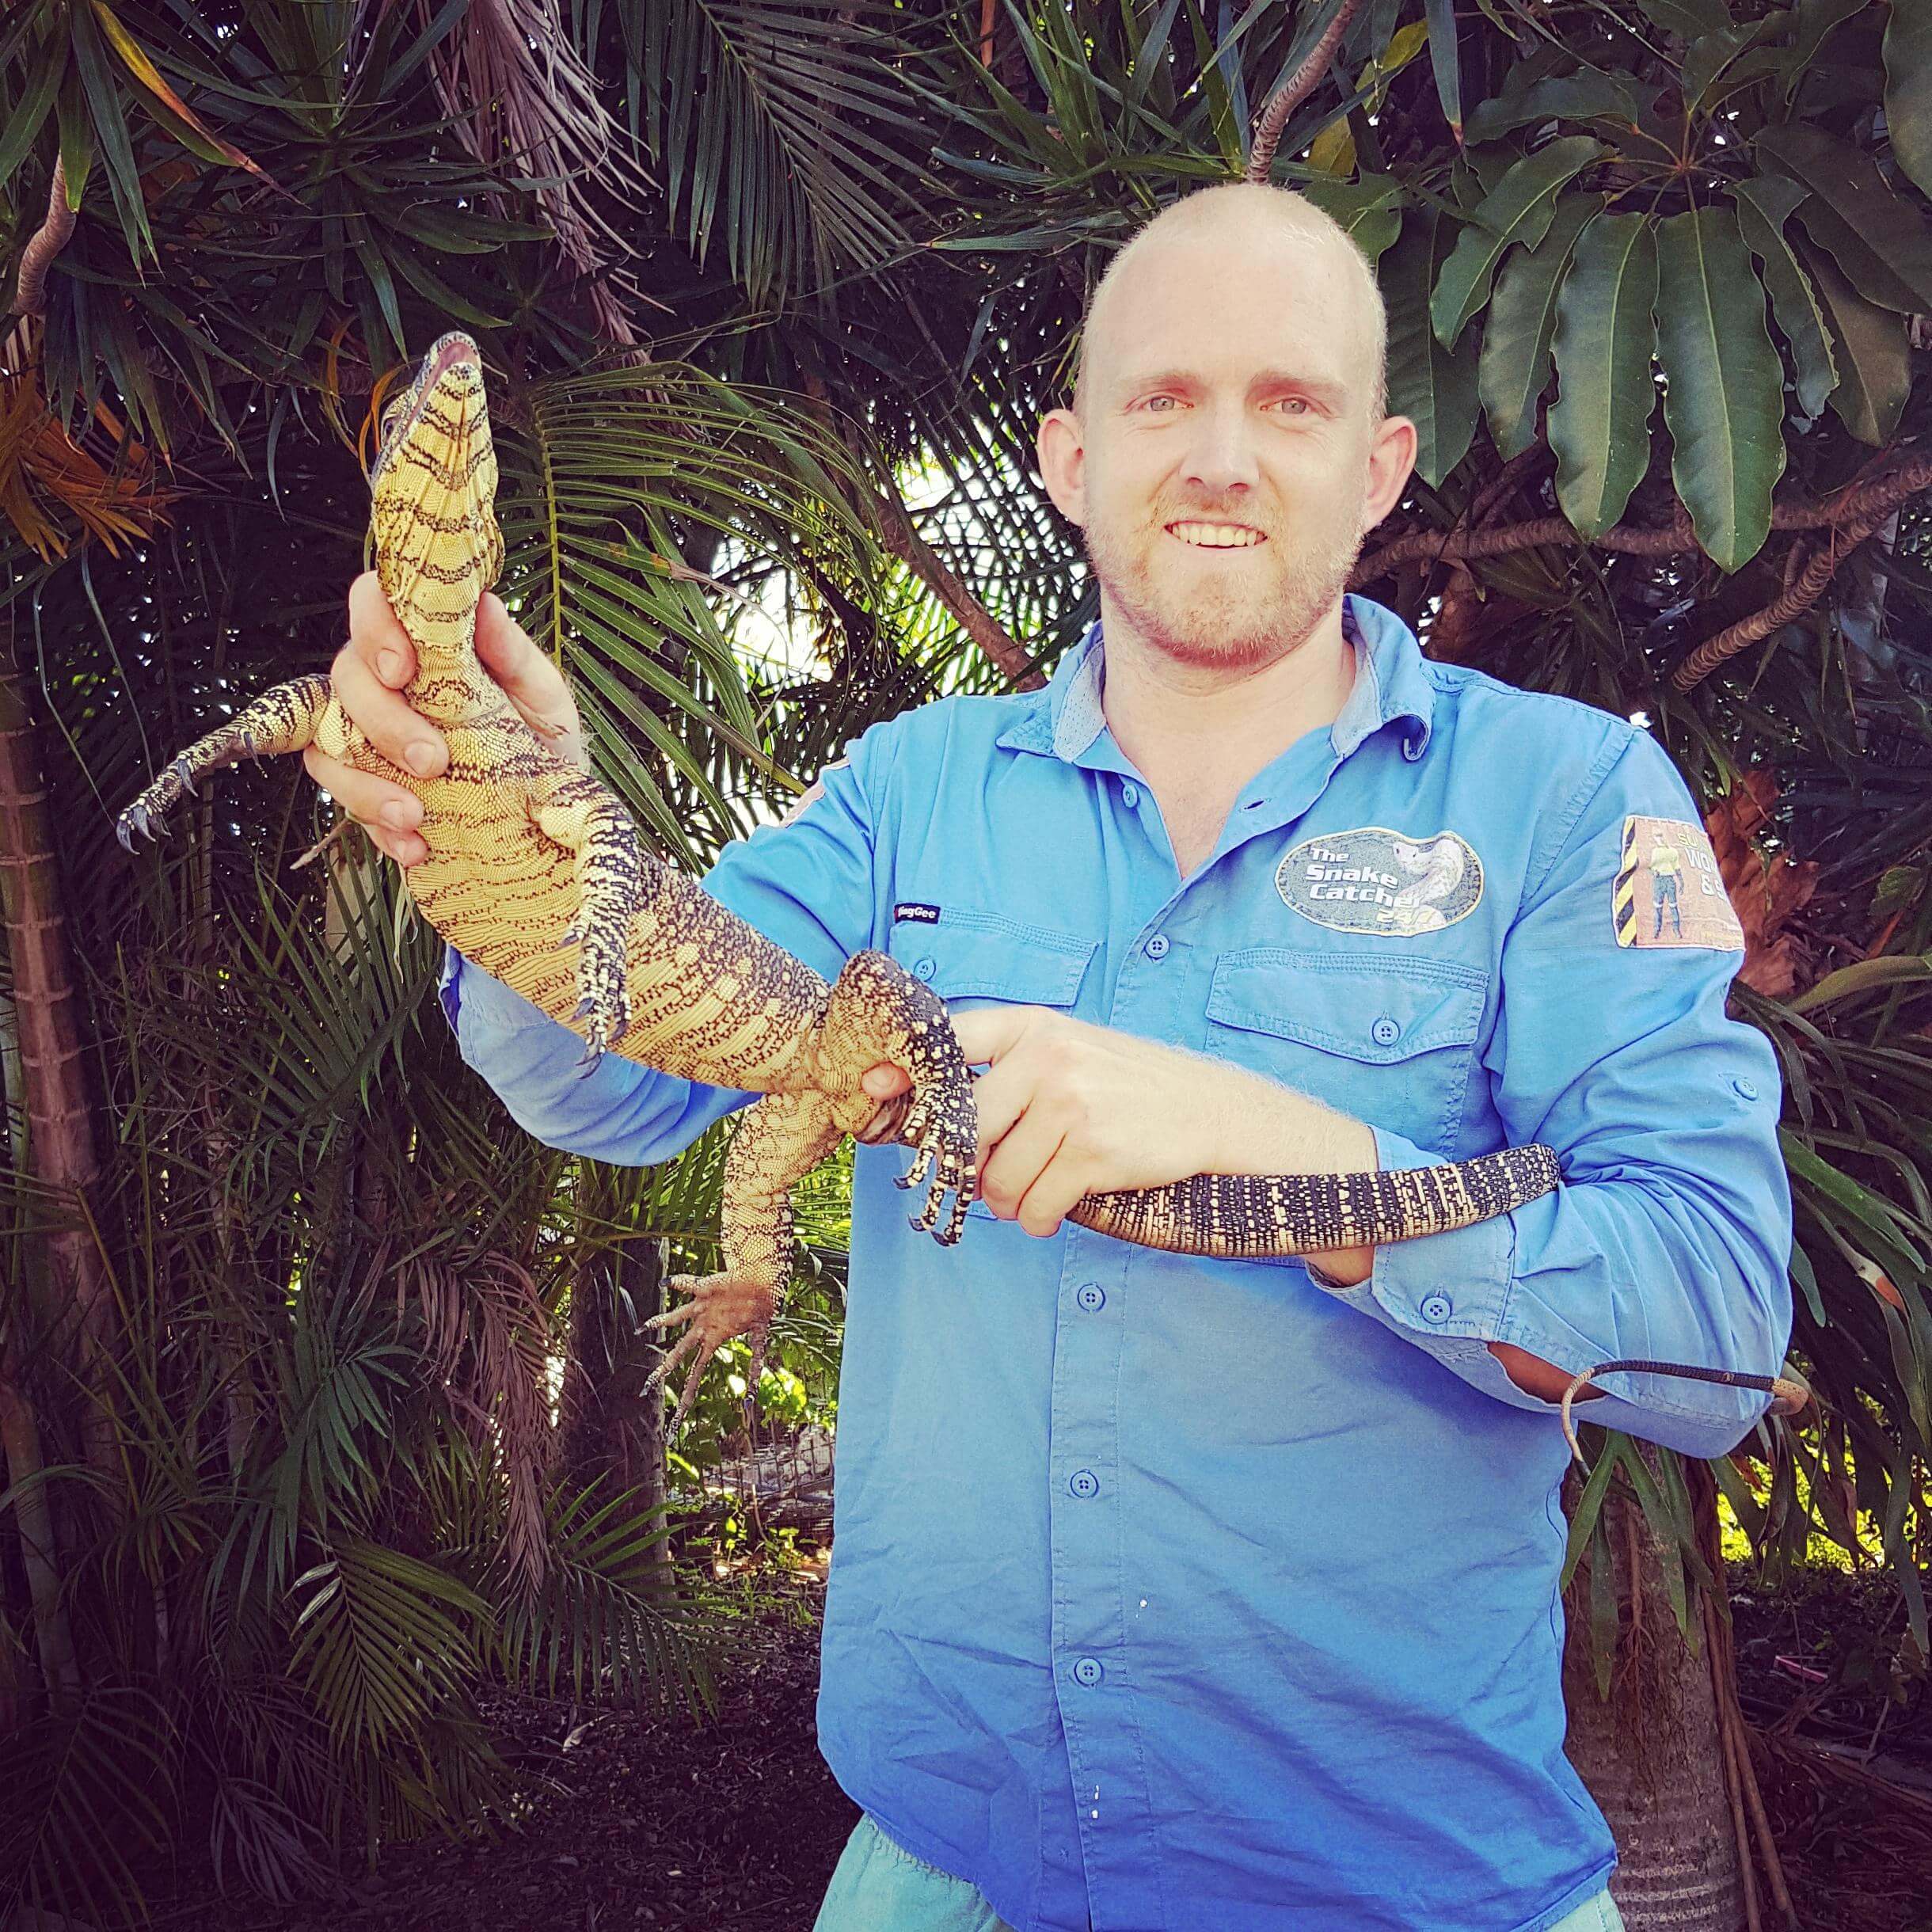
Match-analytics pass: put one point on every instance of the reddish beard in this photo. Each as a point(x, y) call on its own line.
point(1236, 625)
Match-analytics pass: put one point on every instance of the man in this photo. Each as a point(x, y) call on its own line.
point(1186, 1594)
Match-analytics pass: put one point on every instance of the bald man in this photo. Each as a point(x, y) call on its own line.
point(1171, 1594)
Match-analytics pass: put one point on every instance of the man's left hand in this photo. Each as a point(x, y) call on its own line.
point(1068, 1109)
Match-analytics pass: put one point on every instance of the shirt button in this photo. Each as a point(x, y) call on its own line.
point(1745, 1089)
point(1385, 1032)
point(1087, 1670)
point(922, 969)
point(1092, 1296)
point(1157, 946)
point(1084, 1483)
point(1436, 1308)
point(1130, 794)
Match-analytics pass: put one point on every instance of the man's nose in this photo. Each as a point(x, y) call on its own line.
point(1221, 455)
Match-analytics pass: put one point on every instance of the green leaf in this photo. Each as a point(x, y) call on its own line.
point(1441, 17)
point(1590, 95)
point(1763, 206)
point(1873, 356)
point(1709, 57)
point(1864, 976)
point(1599, 423)
point(1519, 208)
point(1369, 211)
point(1724, 394)
point(1877, 237)
point(1513, 369)
point(1817, 20)
point(1908, 89)
point(1434, 387)
point(24, 123)
point(1689, 20)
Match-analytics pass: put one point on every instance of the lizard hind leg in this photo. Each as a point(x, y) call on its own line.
point(878, 1012)
point(284, 718)
point(780, 1140)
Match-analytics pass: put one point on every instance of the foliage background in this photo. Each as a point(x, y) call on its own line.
point(318, 1386)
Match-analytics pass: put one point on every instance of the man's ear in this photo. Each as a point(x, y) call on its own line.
point(1391, 456)
point(1062, 449)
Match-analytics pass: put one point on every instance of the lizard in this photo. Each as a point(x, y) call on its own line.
point(536, 872)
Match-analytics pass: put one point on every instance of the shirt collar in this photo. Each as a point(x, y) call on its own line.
point(1392, 685)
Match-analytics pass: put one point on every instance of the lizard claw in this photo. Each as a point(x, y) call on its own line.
point(721, 1306)
point(181, 769)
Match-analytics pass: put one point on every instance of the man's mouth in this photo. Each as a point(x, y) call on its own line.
point(1217, 536)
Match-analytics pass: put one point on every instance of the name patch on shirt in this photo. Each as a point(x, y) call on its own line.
point(1371, 880)
point(1669, 892)
point(912, 912)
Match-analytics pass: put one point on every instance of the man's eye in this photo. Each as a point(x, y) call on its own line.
point(1162, 405)
point(1294, 405)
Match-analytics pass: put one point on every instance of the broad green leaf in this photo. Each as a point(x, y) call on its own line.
point(1599, 423)
point(1370, 210)
point(1762, 206)
point(1817, 20)
point(1908, 89)
point(1434, 387)
point(1440, 15)
point(1877, 237)
point(1590, 95)
point(1519, 208)
point(1689, 20)
point(1873, 356)
point(1513, 369)
point(1709, 58)
point(1864, 976)
point(1723, 393)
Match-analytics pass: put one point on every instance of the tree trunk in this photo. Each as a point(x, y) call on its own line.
point(607, 1431)
point(56, 1107)
point(1664, 1755)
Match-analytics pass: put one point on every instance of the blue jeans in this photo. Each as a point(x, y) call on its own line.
point(878, 1887)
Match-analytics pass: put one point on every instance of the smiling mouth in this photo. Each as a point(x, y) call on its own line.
point(1217, 536)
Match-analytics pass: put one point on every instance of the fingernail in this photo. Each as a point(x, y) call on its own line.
point(396, 815)
point(390, 664)
point(421, 757)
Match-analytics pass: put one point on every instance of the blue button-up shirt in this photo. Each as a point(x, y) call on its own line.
point(1182, 1594)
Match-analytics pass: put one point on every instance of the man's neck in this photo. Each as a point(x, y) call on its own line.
point(1199, 734)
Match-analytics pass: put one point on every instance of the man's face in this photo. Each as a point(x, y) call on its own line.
point(1221, 467)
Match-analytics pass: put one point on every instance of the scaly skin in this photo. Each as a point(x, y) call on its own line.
point(535, 872)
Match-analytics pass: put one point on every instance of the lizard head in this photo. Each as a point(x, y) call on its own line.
point(434, 520)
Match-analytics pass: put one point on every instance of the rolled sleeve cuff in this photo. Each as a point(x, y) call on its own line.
point(1447, 1294)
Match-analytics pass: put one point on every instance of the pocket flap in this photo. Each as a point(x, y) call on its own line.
point(1373, 1006)
point(982, 955)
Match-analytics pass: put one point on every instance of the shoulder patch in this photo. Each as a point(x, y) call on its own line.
point(1372, 879)
point(1669, 892)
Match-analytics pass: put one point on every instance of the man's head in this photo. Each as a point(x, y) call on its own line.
point(1227, 449)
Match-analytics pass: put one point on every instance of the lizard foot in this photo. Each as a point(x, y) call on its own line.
point(943, 1126)
point(606, 997)
point(721, 1306)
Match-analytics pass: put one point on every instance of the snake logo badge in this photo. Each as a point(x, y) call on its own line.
point(1372, 879)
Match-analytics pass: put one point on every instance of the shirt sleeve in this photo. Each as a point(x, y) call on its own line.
point(806, 884)
point(1670, 1238)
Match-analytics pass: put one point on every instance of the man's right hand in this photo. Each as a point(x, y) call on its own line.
point(368, 675)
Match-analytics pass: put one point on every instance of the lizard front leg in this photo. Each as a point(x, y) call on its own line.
point(781, 1139)
point(285, 718)
point(878, 1014)
point(571, 807)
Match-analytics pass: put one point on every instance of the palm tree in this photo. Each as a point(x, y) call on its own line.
point(773, 293)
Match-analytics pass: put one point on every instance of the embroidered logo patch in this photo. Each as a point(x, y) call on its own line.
point(918, 915)
point(1669, 892)
point(1371, 880)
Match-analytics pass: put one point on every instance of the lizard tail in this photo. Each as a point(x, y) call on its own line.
point(1789, 1392)
point(1260, 1216)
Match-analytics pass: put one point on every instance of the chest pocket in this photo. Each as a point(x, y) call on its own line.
point(979, 959)
point(982, 959)
point(1389, 1038)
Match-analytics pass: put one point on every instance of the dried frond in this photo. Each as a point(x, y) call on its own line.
point(107, 490)
point(1767, 891)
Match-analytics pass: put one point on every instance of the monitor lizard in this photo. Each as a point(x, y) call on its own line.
point(535, 873)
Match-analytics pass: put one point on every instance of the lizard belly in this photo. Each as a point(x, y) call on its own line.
point(711, 998)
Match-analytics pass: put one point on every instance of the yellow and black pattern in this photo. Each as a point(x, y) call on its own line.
point(535, 873)
point(1260, 1216)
